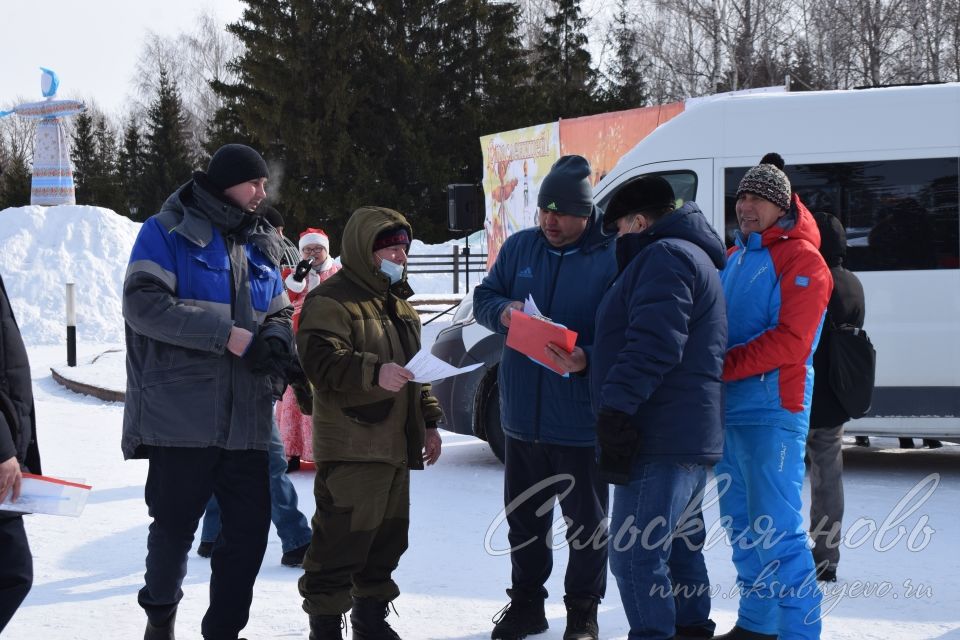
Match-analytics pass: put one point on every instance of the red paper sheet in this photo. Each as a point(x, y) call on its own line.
point(530, 336)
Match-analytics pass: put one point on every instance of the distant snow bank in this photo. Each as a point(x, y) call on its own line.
point(43, 248)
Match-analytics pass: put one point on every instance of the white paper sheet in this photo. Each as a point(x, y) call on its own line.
point(530, 307)
point(52, 496)
point(426, 367)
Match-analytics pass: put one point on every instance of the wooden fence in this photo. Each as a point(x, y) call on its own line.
point(460, 261)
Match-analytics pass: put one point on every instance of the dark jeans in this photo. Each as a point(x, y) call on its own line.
point(180, 481)
point(16, 567)
point(292, 526)
point(536, 475)
point(657, 535)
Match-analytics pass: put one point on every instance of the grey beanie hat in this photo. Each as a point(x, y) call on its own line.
point(567, 189)
point(767, 181)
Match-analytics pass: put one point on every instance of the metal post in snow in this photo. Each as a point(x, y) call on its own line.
point(456, 269)
point(71, 326)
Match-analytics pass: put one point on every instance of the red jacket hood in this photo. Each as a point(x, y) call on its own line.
point(798, 223)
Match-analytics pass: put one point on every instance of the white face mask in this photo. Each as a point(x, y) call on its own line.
point(392, 270)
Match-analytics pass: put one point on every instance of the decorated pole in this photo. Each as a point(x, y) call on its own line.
point(71, 326)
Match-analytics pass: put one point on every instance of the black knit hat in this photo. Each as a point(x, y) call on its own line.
point(271, 215)
point(233, 164)
point(768, 181)
point(649, 193)
point(567, 189)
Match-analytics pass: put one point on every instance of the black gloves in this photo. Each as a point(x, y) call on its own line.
point(302, 390)
point(303, 268)
point(618, 440)
point(268, 356)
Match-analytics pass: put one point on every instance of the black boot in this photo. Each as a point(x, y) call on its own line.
point(369, 620)
point(327, 627)
point(693, 633)
point(581, 618)
point(523, 616)
point(739, 633)
point(162, 631)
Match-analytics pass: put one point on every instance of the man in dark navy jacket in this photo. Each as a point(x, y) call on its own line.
point(565, 264)
point(656, 382)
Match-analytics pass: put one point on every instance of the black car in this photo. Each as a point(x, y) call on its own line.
point(471, 402)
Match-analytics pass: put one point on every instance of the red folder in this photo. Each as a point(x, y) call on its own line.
point(530, 335)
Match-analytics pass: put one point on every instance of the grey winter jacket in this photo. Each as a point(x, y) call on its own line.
point(199, 267)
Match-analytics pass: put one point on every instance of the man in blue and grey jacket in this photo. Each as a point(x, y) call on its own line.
point(209, 337)
point(565, 264)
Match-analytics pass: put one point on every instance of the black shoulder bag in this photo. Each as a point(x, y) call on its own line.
point(853, 365)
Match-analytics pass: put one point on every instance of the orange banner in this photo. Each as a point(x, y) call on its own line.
point(604, 138)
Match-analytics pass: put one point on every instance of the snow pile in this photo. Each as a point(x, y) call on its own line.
point(42, 248)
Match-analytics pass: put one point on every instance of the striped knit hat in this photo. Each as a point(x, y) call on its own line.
point(768, 181)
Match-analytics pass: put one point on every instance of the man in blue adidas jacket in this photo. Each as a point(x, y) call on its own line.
point(208, 337)
point(565, 264)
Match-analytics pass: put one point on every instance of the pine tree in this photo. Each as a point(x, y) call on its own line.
point(105, 183)
point(299, 99)
point(564, 77)
point(625, 86)
point(130, 167)
point(373, 102)
point(14, 182)
point(167, 162)
point(83, 155)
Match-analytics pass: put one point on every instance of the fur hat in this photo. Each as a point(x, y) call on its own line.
point(233, 164)
point(567, 189)
point(649, 193)
point(314, 236)
point(768, 181)
point(390, 237)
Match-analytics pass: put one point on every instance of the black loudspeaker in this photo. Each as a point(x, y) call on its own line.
point(465, 207)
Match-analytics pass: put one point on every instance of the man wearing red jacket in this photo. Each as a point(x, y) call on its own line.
point(777, 286)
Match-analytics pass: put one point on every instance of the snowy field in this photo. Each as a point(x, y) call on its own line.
point(899, 574)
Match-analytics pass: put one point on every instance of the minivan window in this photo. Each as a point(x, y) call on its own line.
point(899, 214)
point(684, 185)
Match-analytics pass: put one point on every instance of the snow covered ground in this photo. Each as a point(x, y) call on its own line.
point(88, 569)
point(899, 578)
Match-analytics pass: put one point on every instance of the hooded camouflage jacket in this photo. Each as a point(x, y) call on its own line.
point(349, 324)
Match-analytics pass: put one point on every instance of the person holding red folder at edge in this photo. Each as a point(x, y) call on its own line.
point(565, 264)
point(18, 453)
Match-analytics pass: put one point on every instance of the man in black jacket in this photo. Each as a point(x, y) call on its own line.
point(18, 453)
point(827, 415)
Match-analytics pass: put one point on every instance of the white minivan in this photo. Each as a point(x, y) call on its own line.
point(886, 162)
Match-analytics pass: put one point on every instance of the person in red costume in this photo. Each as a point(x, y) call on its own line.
point(316, 265)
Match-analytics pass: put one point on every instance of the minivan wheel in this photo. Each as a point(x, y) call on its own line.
point(491, 420)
